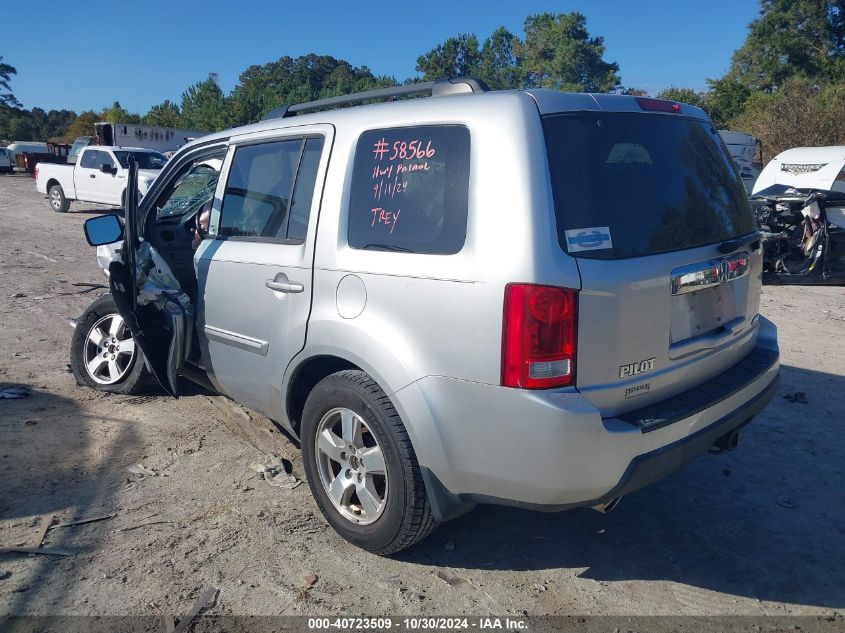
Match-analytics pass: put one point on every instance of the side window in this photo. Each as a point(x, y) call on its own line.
point(269, 187)
point(89, 159)
point(410, 189)
point(104, 159)
point(193, 190)
point(303, 193)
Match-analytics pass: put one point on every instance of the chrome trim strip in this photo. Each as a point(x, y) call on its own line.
point(713, 272)
point(246, 343)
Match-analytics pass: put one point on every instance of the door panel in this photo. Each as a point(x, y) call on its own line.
point(85, 175)
point(250, 331)
point(108, 187)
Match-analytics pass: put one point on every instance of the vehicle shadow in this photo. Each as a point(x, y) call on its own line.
point(765, 521)
point(48, 466)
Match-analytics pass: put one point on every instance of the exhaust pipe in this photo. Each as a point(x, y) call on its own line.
point(604, 508)
point(727, 442)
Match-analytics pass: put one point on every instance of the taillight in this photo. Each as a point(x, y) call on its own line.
point(36, 171)
point(538, 336)
point(658, 105)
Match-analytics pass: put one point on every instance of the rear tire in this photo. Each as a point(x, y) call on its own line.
point(396, 513)
point(58, 202)
point(103, 354)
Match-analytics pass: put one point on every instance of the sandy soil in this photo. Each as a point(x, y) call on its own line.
point(757, 531)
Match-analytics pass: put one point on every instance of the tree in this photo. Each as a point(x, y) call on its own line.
point(6, 72)
point(291, 80)
point(458, 56)
point(33, 125)
point(116, 114)
point(633, 91)
point(82, 125)
point(682, 95)
point(17, 125)
point(559, 53)
point(204, 107)
point(57, 124)
point(792, 38)
point(166, 114)
point(498, 64)
point(800, 113)
point(725, 100)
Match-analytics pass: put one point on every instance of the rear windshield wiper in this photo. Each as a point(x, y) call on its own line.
point(387, 247)
point(738, 242)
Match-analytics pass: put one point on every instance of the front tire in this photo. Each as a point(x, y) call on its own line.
point(58, 202)
point(361, 467)
point(103, 354)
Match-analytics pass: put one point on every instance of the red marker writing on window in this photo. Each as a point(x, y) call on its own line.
point(383, 216)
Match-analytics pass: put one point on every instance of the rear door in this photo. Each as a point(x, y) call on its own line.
point(652, 208)
point(108, 187)
point(86, 173)
point(255, 275)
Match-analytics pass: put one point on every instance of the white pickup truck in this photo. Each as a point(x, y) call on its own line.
point(99, 175)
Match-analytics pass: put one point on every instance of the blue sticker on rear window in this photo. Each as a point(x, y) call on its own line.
point(589, 239)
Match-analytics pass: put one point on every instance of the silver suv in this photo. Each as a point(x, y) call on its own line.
point(521, 297)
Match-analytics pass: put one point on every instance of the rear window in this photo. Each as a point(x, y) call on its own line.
point(627, 185)
point(410, 190)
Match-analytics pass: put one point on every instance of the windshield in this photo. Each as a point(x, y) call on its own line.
point(627, 185)
point(146, 160)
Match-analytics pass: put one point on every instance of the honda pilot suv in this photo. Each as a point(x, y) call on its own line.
point(519, 297)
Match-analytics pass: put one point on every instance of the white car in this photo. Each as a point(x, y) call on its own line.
point(99, 175)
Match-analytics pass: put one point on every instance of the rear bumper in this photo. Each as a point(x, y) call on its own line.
point(553, 451)
point(655, 465)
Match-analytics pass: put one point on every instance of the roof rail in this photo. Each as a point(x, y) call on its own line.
point(437, 88)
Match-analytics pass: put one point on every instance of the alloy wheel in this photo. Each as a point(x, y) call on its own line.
point(109, 350)
point(56, 199)
point(351, 466)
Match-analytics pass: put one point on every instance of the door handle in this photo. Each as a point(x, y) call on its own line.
point(92, 175)
point(282, 284)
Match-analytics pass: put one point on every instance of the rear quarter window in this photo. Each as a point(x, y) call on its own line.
point(409, 189)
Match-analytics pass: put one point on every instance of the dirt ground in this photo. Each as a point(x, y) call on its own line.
point(760, 530)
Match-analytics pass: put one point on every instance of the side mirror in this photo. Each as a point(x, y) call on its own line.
point(108, 169)
point(104, 229)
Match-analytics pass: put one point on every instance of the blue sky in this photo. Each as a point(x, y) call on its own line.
point(153, 50)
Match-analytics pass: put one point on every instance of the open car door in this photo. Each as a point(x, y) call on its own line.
point(155, 310)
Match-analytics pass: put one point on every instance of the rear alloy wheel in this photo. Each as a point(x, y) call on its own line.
point(351, 466)
point(58, 202)
point(361, 466)
point(103, 353)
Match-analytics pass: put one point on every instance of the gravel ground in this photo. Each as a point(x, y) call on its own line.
point(757, 531)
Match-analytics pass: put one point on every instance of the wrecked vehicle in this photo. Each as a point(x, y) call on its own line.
point(799, 205)
point(444, 299)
